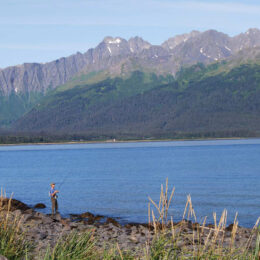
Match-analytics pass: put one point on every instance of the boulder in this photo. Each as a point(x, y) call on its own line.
point(89, 217)
point(39, 206)
point(14, 204)
point(230, 227)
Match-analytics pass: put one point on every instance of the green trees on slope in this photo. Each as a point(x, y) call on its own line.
point(202, 101)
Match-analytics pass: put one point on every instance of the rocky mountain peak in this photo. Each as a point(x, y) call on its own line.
point(206, 47)
point(171, 43)
point(137, 44)
point(247, 40)
point(112, 46)
point(252, 31)
point(214, 35)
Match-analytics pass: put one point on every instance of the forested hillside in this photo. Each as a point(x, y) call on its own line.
point(201, 101)
point(16, 105)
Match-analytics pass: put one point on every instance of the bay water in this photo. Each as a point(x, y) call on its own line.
point(115, 179)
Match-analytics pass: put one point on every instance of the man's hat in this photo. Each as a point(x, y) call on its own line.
point(52, 183)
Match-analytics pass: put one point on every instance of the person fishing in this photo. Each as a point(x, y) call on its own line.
point(54, 202)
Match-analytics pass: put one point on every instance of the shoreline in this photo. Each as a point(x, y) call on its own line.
point(45, 231)
point(89, 216)
point(132, 141)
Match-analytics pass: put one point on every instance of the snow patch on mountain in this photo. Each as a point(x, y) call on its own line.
point(227, 48)
point(115, 41)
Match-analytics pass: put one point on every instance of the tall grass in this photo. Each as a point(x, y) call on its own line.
point(13, 244)
point(168, 247)
point(73, 247)
point(162, 207)
point(81, 246)
point(115, 253)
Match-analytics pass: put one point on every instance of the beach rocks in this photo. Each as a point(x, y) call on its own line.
point(88, 217)
point(112, 221)
point(44, 231)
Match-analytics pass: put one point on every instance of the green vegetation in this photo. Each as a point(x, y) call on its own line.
point(81, 246)
point(73, 247)
point(109, 90)
point(13, 244)
point(218, 100)
point(83, 79)
point(16, 105)
point(85, 101)
point(203, 101)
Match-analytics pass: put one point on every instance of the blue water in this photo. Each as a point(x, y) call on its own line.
point(115, 179)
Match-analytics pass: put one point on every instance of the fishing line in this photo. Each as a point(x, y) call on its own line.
point(64, 179)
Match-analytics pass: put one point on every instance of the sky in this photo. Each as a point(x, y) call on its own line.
point(44, 30)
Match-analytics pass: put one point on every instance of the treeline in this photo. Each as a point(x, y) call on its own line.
point(36, 138)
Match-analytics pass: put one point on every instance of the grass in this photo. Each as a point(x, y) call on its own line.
point(115, 253)
point(13, 244)
point(73, 247)
point(166, 247)
point(81, 246)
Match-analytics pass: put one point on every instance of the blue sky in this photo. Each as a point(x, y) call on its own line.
point(44, 30)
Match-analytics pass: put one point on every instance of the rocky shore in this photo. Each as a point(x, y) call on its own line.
point(43, 231)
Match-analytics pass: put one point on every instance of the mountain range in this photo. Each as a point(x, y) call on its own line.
point(116, 87)
point(119, 56)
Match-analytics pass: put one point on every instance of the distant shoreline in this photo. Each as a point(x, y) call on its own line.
point(130, 141)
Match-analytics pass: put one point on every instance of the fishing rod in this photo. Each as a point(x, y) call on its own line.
point(60, 184)
point(64, 179)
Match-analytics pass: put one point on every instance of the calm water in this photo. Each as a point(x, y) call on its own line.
point(116, 179)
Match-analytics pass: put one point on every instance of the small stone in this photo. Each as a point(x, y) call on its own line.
point(112, 221)
point(114, 235)
point(42, 236)
point(17, 212)
point(180, 243)
point(134, 239)
point(67, 228)
point(73, 225)
point(65, 222)
point(57, 217)
point(86, 215)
